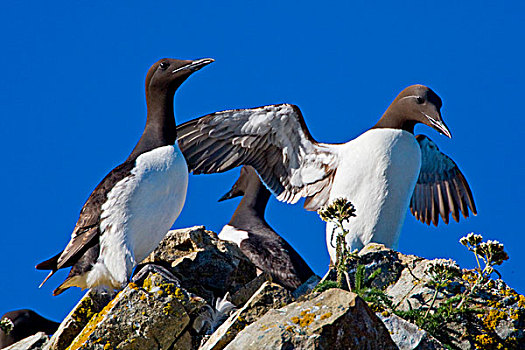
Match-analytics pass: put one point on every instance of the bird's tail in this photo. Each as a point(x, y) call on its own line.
point(49, 264)
point(62, 287)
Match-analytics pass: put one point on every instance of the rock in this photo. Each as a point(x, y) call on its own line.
point(89, 305)
point(306, 287)
point(376, 256)
point(335, 319)
point(34, 342)
point(408, 336)
point(269, 295)
point(410, 291)
point(205, 265)
point(184, 342)
point(150, 316)
point(171, 308)
point(493, 315)
point(247, 291)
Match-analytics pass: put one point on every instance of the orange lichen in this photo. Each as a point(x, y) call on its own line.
point(92, 324)
point(305, 319)
point(521, 301)
point(325, 316)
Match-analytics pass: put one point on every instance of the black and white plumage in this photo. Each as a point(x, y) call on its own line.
point(377, 171)
point(134, 206)
point(257, 240)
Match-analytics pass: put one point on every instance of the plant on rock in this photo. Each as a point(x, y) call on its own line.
point(337, 212)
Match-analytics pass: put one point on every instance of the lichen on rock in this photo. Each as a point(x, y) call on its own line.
point(404, 302)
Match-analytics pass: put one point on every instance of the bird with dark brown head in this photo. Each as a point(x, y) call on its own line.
point(134, 206)
point(415, 104)
point(383, 171)
point(257, 240)
point(162, 81)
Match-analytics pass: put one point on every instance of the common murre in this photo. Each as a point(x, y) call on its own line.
point(134, 206)
point(377, 171)
point(257, 240)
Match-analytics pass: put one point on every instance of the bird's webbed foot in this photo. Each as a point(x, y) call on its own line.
point(143, 270)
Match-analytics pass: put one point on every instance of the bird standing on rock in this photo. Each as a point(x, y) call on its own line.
point(135, 205)
point(256, 239)
point(377, 171)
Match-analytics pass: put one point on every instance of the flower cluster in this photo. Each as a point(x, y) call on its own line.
point(441, 272)
point(471, 240)
point(443, 267)
point(492, 252)
point(6, 325)
point(339, 210)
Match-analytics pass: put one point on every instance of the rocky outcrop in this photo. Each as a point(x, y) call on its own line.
point(335, 319)
point(408, 336)
point(153, 315)
point(34, 342)
point(269, 295)
point(204, 264)
point(87, 307)
point(457, 307)
point(209, 297)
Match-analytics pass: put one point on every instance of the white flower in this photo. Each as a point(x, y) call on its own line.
point(6, 325)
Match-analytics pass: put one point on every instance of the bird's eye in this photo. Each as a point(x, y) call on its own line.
point(164, 65)
point(420, 100)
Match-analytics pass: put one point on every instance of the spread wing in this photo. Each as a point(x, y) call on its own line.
point(441, 188)
point(272, 139)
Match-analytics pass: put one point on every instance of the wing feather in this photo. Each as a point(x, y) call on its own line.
point(441, 189)
point(273, 139)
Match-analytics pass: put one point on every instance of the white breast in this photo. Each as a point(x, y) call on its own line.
point(377, 173)
point(140, 210)
point(232, 234)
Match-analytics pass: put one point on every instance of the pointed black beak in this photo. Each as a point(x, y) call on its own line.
point(195, 65)
point(225, 197)
point(234, 192)
point(439, 125)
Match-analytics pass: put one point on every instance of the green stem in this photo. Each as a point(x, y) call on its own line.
point(476, 283)
point(432, 303)
point(477, 260)
point(480, 278)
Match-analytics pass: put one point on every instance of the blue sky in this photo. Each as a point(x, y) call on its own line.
point(72, 105)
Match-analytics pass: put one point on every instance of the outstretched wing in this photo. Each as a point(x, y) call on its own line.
point(441, 188)
point(272, 139)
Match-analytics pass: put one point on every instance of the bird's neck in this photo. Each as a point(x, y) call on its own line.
point(160, 129)
point(253, 203)
point(393, 119)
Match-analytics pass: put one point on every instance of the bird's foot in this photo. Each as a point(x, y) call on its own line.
point(142, 271)
point(104, 292)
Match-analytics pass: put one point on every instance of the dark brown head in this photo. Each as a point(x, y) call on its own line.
point(248, 180)
point(415, 104)
point(168, 74)
point(162, 80)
